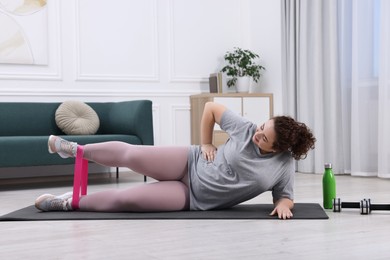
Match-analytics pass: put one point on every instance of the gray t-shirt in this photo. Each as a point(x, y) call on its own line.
point(239, 172)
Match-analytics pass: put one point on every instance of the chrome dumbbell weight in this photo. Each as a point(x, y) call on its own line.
point(365, 206)
point(338, 205)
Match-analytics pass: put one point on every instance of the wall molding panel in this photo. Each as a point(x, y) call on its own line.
point(180, 123)
point(93, 72)
point(42, 92)
point(198, 22)
point(156, 108)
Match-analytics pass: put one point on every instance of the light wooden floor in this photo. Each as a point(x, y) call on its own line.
point(346, 235)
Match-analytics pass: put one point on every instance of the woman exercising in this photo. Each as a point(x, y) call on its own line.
point(255, 159)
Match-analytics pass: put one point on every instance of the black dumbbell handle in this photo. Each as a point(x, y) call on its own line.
point(380, 206)
point(350, 205)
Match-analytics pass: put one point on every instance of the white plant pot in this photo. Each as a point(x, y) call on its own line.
point(243, 84)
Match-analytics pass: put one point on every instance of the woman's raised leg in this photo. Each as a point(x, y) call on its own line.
point(159, 162)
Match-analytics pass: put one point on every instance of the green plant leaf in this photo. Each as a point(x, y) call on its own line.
point(241, 63)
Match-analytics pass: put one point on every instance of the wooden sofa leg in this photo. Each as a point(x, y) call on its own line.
point(117, 172)
point(145, 178)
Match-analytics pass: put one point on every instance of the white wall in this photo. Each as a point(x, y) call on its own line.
point(162, 50)
point(267, 41)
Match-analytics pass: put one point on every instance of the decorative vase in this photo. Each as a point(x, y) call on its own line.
point(243, 84)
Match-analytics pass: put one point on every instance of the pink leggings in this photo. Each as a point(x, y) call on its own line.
point(168, 165)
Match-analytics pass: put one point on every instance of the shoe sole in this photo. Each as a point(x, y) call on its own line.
point(48, 144)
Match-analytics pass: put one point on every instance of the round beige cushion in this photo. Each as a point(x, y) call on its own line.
point(77, 118)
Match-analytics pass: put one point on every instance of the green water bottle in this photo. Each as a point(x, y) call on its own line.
point(328, 186)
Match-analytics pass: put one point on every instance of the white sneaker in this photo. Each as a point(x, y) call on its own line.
point(64, 148)
point(49, 202)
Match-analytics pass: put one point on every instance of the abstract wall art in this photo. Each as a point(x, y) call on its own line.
point(24, 32)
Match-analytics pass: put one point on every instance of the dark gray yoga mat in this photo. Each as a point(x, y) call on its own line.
point(242, 211)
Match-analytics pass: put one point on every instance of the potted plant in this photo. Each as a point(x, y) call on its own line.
point(241, 68)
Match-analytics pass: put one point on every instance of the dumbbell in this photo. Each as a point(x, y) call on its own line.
point(338, 205)
point(365, 206)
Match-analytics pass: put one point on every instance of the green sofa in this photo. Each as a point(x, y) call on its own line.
point(25, 128)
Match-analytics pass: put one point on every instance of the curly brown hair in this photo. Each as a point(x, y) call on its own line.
point(292, 136)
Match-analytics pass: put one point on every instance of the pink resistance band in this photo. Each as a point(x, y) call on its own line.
point(80, 180)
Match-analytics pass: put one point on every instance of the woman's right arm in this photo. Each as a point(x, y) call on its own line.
point(212, 114)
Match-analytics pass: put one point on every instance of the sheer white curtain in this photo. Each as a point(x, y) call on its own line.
point(366, 52)
point(337, 81)
point(311, 88)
